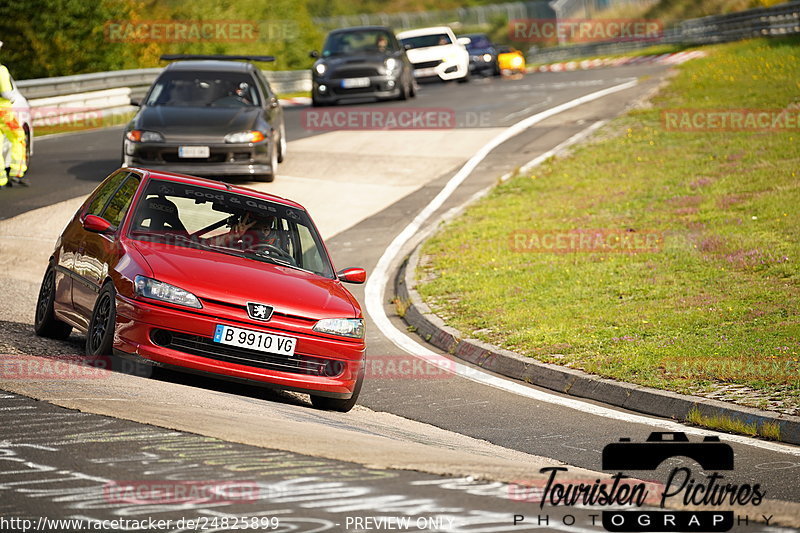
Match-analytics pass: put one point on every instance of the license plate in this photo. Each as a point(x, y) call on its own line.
point(255, 340)
point(353, 83)
point(193, 151)
point(424, 72)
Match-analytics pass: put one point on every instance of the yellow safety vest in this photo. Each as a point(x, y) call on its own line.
point(5, 86)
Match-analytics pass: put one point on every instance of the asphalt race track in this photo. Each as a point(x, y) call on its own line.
point(317, 470)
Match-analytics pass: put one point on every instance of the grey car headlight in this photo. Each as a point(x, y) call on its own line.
point(241, 137)
point(343, 327)
point(320, 68)
point(390, 63)
point(158, 290)
point(144, 136)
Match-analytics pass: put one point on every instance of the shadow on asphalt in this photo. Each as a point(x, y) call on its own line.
point(19, 339)
point(96, 170)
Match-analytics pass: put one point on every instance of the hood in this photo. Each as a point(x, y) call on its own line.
point(480, 51)
point(368, 58)
point(196, 122)
point(236, 280)
point(432, 53)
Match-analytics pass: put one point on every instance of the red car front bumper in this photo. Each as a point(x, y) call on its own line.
point(191, 347)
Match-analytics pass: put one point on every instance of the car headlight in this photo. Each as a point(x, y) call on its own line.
point(245, 137)
point(158, 290)
point(390, 63)
point(144, 136)
point(320, 68)
point(516, 62)
point(343, 327)
point(487, 57)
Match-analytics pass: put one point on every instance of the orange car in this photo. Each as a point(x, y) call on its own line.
point(510, 60)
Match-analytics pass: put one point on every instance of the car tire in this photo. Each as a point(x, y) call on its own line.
point(336, 404)
point(403, 92)
point(282, 144)
point(45, 323)
point(412, 90)
point(100, 336)
point(273, 160)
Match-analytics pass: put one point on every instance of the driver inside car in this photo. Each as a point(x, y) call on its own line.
point(250, 232)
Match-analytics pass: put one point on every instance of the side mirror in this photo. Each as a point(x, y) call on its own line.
point(136, 102)
point(314, 54)
point(464, 40)
point(352, 275)
point(406, 47)
point(96, 224)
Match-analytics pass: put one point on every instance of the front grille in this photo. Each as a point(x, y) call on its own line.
point(172, 157)
point(427, 64)
point(354, 90)
point(205, 347)
point(355, 72)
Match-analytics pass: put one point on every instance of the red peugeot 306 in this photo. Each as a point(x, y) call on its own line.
point(207, 277)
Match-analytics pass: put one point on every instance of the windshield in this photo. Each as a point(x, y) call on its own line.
point(204, 89)
point(478, 42)
point(359, 41)
point(193, 216)
point(422, 41)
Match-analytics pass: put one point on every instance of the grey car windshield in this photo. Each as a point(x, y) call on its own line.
point(204, 89)
point(478, 42)
point(423, 41)
point(360, 41)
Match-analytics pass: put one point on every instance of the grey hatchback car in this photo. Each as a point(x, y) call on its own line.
point(211, 116)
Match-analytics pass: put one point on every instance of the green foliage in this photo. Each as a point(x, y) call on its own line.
point(46, 38)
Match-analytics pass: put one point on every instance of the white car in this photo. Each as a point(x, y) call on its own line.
point(22, 110)
point(436, 52)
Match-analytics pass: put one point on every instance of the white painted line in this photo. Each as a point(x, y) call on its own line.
point(374, 295)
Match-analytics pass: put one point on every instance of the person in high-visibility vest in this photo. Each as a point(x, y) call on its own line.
point(10, 129)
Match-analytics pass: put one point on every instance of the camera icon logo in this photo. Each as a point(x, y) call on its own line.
point(710, 454)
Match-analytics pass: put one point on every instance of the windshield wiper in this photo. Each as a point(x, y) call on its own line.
point(275, 261)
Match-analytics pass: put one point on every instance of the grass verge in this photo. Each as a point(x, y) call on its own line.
point(713, 309)
point(767, 430)
point(655, 50)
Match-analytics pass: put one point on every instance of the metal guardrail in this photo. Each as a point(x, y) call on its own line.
point(68, 98)
point(139, 80)
point(779, 20)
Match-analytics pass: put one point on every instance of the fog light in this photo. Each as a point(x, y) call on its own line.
point(161, 337)
point(323, 88)
point(390, 84)
point(333, 368)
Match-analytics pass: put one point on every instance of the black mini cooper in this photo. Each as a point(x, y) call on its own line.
point(361, 62)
